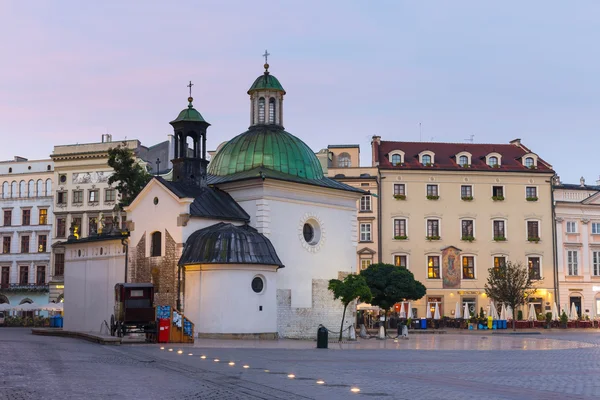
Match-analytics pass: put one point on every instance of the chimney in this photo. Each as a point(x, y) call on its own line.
point(20, 159)
point(106, 138)
point(582, 181)
point(375, 142)
point(516, 142)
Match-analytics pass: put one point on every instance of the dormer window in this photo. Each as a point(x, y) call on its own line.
point(463, 161)
point(261, 110)
point(344, 160)
point(396, 159)
point(493, 161)
point(426, 160)
point(271, 110)
point(529, 163)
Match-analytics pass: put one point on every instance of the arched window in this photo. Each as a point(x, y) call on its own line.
point(40, 188)
point(426, 159)
point(344, 160)
point(26, 300)
point(48, 187)
point(463, 160)
point(14, 189)
point(261, 110)
point(155, 244)
point(271, 110)
point(5, 190)
point(31, 188)
point(4, 299)
point(22, 189)
point(396, 159)
point(493, 161)
point(529, 162)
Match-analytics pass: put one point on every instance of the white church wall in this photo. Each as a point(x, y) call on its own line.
point(92, 269)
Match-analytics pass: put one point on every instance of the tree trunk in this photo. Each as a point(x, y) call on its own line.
point(385, 321)
point(514, 321)
point(343, 317)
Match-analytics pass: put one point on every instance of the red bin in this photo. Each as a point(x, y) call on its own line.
point(163, 330)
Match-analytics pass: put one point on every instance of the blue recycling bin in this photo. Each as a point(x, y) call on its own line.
point(495, 324)
point(52, 322)
point(423, 323)
point(59, 321)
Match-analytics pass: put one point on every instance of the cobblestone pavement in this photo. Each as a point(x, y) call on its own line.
point(557, 365)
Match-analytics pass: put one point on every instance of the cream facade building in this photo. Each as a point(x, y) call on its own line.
point(578, 246)
point(451, 211)
point(25, 228)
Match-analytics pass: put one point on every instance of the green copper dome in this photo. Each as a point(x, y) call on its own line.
point(267, 146)
point(189, 114)
point(266, 82)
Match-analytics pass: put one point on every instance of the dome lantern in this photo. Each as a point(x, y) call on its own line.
point(266, 99)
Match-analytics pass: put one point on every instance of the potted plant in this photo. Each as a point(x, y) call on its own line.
point(400, 196)
point(498, 198)
point(496, 166)
point(467, 198)
point(473, 321)
point(468, 239)
point(564, 320)
point(403, 237)
point(434, 237)
point(548, 320)
point(428, 164)
point(499, 238)
point(466, 165)
point(520, 315)
point(432, 197)
point(531, 198)
point(533, 239)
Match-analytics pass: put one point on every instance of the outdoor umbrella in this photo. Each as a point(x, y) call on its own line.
point(27, 307)
point(428, 314)
point(52, 307)
point(531, 315)
point(457, 311)
point(555, 316)
point(466, 313)
point(436, 314)
point(402, 313)
point(493, 311)
point(503, 312)
point(509, 313)
point(6, 306)
point(410, 314)
point(573, 313)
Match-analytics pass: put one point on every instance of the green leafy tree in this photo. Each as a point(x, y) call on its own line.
point(511, 284)
point(390, 284)
point(351, 288)
point(130, 177)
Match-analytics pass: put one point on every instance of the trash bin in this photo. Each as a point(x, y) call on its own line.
point(53, 321)
point(423, 323)
point(490, 322)
point(322, 337)
point(58, 322)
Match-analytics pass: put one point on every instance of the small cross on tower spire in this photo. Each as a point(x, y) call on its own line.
point(266, 56)
point(190, 99)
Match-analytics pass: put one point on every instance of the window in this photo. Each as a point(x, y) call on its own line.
point(25, 244)
point(76, 224)
point(400, 229)
point(42, 241)
point(6, 244)
point(571, 227)
point(93, 196)
point(466, 229)
point(7, 217)
point(92, 226)
point(572, 262)
point(531, 192)
point(433, 228)
point(61, 227)
point(155, 244)
point(396, 159)
point(43, 216)
point(5, 280)
point(529, 162)
point(271, 110)
point(463, 161)
point(308, 232)
point(426, 159)
point(365, 232)
point(466, 192)
point(468, 267)
point(61, 198)
point(364, 264)
point(596, 263)
point(535, 271)
point(40, 276)
point(400, 261)
point(261, 110)
point(24, 275)
point(533, 232)
point(77, 196)
point(109, 195)
point(499, 262)
point(59, 264)
point(499, 233)
point(365, 203)
point(344, 160)
point(432, 190)
point(257, 285)
point(498, 192)
point(123, 221)
point(399, 189)
point(108, 223)
point(26, 217)
point(433, 267)
point(596, 230)
point(493, 161)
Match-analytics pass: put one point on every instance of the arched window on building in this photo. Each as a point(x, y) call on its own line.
point(493, 161)
point(22, 189)
point(14, 189)
point(426, 159)
point(31, 188)
point(5, 190)
point(4, 299)
point(261, 110)
point(272, 110)
point(396, 159)
point(40, 188)
point(344, 160)
point(156, 244)
point(26, 300)
point(529, 162)
point(463, 161)
point(48, 187)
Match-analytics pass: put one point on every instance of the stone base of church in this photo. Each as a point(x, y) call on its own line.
point(239, 336)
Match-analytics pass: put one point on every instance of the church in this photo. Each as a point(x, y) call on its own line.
point(245, 245)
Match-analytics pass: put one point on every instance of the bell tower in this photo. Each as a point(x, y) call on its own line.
point(189, 162)
point(266, 99)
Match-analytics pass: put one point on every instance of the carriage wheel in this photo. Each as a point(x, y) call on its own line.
point(113, 327)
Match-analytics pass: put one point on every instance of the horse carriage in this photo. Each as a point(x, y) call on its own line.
point(135, 314)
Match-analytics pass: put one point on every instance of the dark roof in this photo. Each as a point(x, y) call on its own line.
point(225, 243)
point(266, 173)
point(209, 202)
point(343, 146)
point(118, 235)
point(135, 285)
point(445, 156)
point(572, 186)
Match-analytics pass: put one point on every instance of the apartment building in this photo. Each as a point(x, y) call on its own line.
point(25, 228)
point(451, 211)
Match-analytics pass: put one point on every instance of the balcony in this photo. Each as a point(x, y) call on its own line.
point(30, 287)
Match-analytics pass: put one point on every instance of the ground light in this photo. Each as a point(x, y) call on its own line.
point(162, 348)
point(320, 382)
point(179, 351)
point(266, 370)
point(216, 360)
point(170, 349)
point(190, 354)
point(203, 357)
point(231, 363)
point(355, 390)
point(246, 366)
point(291, 376)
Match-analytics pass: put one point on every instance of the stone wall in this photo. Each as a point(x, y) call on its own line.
point(302, 323)
point(161, 271)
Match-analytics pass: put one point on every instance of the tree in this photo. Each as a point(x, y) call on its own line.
point(130, 177)
point(351, 288)
point(509, 283)
point(390, 284)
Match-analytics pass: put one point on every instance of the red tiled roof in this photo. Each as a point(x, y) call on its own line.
point(445, 156)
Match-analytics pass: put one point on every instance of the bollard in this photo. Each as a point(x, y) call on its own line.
point(405, 332)
point(322, 337)
point(363, 331)
point(352, 332)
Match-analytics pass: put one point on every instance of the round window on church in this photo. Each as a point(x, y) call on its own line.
point(258, 284)
point(311, 232)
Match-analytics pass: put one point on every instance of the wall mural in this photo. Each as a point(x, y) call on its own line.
point(91, 177)
point(451, 267)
